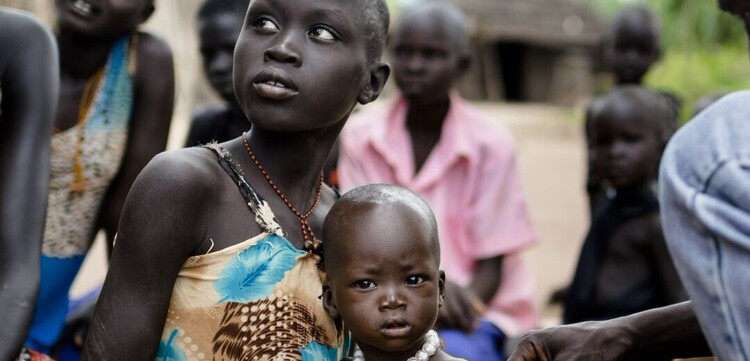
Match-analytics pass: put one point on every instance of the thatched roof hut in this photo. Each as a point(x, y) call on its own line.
point(532, 50)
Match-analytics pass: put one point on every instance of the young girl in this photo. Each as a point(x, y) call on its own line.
point(115, 106)
point(217, 252)
point(381, 257)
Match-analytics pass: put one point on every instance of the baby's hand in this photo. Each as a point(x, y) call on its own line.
point(461, 309)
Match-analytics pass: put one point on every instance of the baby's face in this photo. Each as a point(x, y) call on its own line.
point(385, 280)
point(299, 64)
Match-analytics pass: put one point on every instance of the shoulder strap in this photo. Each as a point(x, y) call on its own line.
point(263, 214)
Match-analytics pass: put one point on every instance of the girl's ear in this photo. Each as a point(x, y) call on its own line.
point(371, 90)
point(328, 303)
point(441, 288)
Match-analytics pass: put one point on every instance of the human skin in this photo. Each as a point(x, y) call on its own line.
point(384, 280)
point(217, 34)
point(635, 46)
point(429, 56)
point(321, 78)
point(84, 45)
point(665, 332)
point(30, 83)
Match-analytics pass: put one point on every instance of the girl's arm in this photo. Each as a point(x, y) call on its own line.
point(30, 85)
point(154, 87)
point(161, 226)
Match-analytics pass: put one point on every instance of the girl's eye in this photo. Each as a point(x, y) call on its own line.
point(414, 280)
point(266, 24)
point(364, 284)
point(321, 33)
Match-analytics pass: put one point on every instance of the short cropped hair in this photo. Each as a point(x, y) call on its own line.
point(377, 19)
point(374, 195)
point(647, 101)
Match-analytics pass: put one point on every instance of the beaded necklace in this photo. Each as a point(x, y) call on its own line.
point(312, 243)
point(87, 99)
point(429, 348)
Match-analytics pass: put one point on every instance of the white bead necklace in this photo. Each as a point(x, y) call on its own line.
point(430, 346)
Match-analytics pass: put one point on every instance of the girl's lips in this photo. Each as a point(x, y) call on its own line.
point(83, 8)
point(274, 90)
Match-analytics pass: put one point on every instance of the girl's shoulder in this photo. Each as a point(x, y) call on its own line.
point(443, 356)
point(189, 172)
point(153, 57)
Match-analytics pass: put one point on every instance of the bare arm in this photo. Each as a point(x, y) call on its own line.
point(667, 332)
point(161, 227)
point(487, 278)
point(149, 127)
point(671, 286)
point(30, 81)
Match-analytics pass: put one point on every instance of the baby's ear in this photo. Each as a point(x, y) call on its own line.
point(328, 303)
point(371, 90)
point(441, 288)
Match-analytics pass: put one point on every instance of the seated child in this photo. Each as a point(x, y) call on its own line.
point(382, 256)
point(219, 23)
point(624, 266)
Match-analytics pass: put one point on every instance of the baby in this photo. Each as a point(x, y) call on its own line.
point(381, 254)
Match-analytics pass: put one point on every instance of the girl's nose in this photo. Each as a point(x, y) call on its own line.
point(283, 51)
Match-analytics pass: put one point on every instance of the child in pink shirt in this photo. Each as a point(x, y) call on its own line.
point(431, 141)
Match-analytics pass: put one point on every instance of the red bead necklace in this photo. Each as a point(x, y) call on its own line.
point(312, 243)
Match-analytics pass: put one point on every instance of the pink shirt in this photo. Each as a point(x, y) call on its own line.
point(472, 183)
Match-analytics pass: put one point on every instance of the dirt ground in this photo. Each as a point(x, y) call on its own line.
point(551, 157)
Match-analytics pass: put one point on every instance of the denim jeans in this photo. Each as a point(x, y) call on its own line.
point(705, 190)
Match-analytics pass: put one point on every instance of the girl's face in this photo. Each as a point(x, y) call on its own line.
point(102, 19)
point(301, 64)
point(385, 282)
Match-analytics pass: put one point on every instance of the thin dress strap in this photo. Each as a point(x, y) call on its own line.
point(263, 214)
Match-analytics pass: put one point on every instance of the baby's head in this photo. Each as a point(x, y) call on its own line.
point(219, 23)
point(628, 133)
point(634, 44)
point(430, 51)
point(103, 19)
point(382, 257)
point(301, 65)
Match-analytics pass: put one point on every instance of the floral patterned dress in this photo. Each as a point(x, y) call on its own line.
point(256, 300)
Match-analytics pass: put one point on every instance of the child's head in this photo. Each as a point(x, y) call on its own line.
point(628, 133)
point(634, 44)
point(102, 19)
point(219, 24)
point(301, 65)
point(382, 257)
point(430, 50)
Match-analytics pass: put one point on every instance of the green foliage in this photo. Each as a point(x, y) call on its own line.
point(705, 49)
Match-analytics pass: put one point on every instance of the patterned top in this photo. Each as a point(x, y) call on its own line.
point(71, 215)
point(256, 300)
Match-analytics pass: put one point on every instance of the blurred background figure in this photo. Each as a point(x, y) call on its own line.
point(624, 266)
point(29, 84)
point(115, 107)
point(219, 23)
